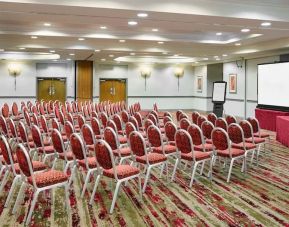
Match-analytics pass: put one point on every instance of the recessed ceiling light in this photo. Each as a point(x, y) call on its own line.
point(54, 60)
point(196, 62)
point(132, 54)
point(132, 23)
point(122, 41)
point(22, 48)
point(68, 59)
point(118, 62)
point(218, 59)
point(225, 55)
point(142, 14)
point(205, 59)
point(47, 24)
point(219, 33)
point(103, 59)
point(72, 54)
point(237, 44)
point(160, 42)
point(1, 50)
point(165, 53)
point(103, 27)
point(52, 51)
point(34, 37)
point(176, 55)
point(216, 56)
point(96, 50)
point(111, 55)
point(81, 39)
point(245, 30)
point(155, 30)
point(266, 24)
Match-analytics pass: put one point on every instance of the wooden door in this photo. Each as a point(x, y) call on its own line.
point(51, 89)
point(84, 80)
point(112, 90)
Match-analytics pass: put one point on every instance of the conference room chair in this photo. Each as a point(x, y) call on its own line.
point(124, 116)
point(230, 119)
point(119, 124)
point(195, 116)
point(44, 126)
point(96, 128)
point(15, 112)
point(4, 127)
point(5, 110)
point(82, 162)
point(170, 132)
point(143, 157)
point(207, 128)
point(249, 137)
point(13, 130)
point(200, 120)
point(223, 149)
point(178, 114)
point(89, 138)
point(62, 152)
point(139, 119)
point(187, 153)
point(70, 118)
point(221, 123)
point(129, 128)
point(80, 120)
point(39, 181)
point(94, 114)
point(119, 172)
point(212, 118)
point(122, 139)
point(55, 125)
point(167, 119)
point(184, 123)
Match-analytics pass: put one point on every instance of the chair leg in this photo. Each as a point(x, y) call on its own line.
point(115, 196)
point(193, 173)
point(175, 169)
point(85, 183)
point(230, 170)
point(167, 169)
point(66, 167)
point(147, 178)
point(252, 157)
point(257, 155)
point(20, 193)
point(15, 180)
point(94, 189)
point(35, 196)
point(139, 186)
point(4, 180)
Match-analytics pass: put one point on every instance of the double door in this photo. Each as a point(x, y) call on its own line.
point(51, 89)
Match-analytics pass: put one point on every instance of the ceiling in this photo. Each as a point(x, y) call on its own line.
point(187, 29)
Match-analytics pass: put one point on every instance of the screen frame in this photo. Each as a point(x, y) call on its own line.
point(225, 93)
point(269, 107)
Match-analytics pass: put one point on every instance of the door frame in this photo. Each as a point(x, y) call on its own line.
point(59, 78)
point(126, 87)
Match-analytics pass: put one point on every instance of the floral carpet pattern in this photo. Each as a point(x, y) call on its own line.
point(259, 198)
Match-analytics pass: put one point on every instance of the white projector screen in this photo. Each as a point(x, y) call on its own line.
point(273, 85)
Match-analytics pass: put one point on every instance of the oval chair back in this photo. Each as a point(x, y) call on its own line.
point(195, 116)
point(69, 130)
point(77, 148)
point(200, 120)
point(236, 134)
point(212, 118)
point(230, 119)
point(137, 144)
point(220, 139)
point(88, 135)
point(124, 116)
point(184, 123)
point(247, 129)
point(154, 136)
point(196, 134)
point(170, 131)
point(111, 138)
point(96, 126)
point(221, 123)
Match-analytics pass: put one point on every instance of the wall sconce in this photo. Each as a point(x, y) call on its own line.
point(14, 70)
point(145, 72)
point(179, 72)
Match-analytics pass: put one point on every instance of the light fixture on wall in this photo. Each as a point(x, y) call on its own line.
point(179, 72)
point(145, 72)
point(239, 63)
point(51, 89)
point(14, 70)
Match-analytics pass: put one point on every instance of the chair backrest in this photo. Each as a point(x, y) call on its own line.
point(255, 124)
point(230, 119)
point(36, 135)
point(154, 136)
point(70, 118)
point(170, 131)
point(221, 123)
point(81, 120)
point(27, 117)
point(55, 124)
point(24, 161)
point(138, 118)
point(124, 116)
point(247, 128)
point(147, 124)
point(152, 118)
point(95, 126)
point(183, 116)
point(137, 144)
point(184, 123)
point(183, 141)
point(15, 111)
point(178, 114)
point(69, 130)
point(103, 119)
point(220, 139)
point(3, 125)
point(117, 120)
point(57, 141)
point(129, 128)
point(168, 114)
point(167, 119)
point(134, 121)
point(5, 110)
point(77, 147)
point(236, 133)
point(207, 128)
point(104, 156)
point(153, 112)
point(87, 134)
point(195, 116)
point(196, 134)
point(200, 120)
point(112, 125)
point(12, 128)
point(43, 123)
point(111, 138)
point(6, 151)
point(22, 132)
point(35, 119)
point(212, 118)
point(61, 117)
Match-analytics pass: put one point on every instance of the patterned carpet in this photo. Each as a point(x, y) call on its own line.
point(260, 198)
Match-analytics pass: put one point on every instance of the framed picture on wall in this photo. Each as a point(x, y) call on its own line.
point(233, 83)
point(199, 84)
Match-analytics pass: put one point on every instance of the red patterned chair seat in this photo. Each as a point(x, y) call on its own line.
point(125, 151)
point(64, 137)
point(36, 165)
point(69, 155)
point(248, 146)
point(234, 151)
point(162, 130)
point(90, 147)
point(98, 137)
point(262, 135)
point(199, 155)
point(207, 146)
point(48, 178)
point(122, 171)
point(257, 140)
point(144, 113)
point(153, 158)
point(91, 163)
point(167, 148)
point(173, 143)
point(46, 142)
point(121, 132)
point(122, 139)
point(47, 149)
point(209, 141)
